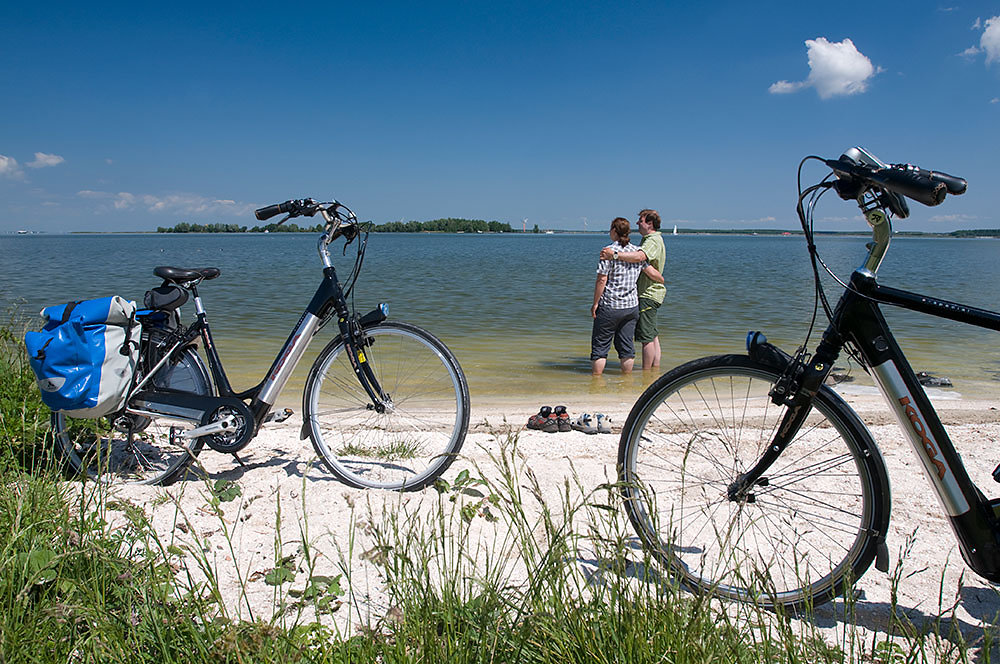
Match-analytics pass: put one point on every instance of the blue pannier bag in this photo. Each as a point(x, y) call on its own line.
point(85, 356)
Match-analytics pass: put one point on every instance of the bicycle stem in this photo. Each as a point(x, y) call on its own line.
point(881, 235)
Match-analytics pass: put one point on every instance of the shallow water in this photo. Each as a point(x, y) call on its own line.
point(515, 308)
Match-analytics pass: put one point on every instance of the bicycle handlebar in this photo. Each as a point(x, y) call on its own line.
point(858, 168)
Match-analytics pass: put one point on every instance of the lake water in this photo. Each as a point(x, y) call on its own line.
point(515, 309)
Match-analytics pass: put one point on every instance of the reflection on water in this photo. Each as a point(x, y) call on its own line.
point(516, 309)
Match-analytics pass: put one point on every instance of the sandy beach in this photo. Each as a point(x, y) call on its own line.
point(285, 500)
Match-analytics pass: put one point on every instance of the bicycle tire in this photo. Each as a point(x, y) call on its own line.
point(802, 538)
point(100, 450)
point(410, 445)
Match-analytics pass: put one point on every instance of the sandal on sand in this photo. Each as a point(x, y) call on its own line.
point(563, 418)
point(585, 423)
point(603, 423)
point(539, 420)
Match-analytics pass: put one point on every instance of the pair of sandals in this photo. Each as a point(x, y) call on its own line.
point(553, 420)
point(591, 424)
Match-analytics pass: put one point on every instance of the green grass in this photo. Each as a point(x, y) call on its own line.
point(397, 449)
point(492, 568)
point(24, 429)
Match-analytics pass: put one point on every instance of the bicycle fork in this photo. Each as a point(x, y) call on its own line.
point(795, 389)
point(352, 331)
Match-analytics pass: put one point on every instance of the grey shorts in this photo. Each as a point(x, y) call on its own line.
point(616, 325)
point(646, 330)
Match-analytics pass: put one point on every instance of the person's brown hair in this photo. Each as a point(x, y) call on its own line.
point(652, 217)
point(621, 226)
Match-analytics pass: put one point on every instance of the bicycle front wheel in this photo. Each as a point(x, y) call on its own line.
point(800, 536)
point(139, 449)
point(422, 429)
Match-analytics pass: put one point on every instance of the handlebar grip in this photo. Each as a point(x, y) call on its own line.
point(266, 213)
point(956, 185)
point(912, 182)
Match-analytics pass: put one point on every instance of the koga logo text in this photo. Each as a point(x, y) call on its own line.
point(921, 430)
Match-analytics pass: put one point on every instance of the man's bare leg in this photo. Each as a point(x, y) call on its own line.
point(651, 354)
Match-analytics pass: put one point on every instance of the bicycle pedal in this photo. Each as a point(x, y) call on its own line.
point(279, 417)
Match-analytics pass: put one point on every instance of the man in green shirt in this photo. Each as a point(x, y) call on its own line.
point(651, 293)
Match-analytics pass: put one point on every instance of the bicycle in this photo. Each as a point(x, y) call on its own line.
point(748, 478)
point(385, 404)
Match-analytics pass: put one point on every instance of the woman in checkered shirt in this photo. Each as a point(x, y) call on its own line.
point(616, 303)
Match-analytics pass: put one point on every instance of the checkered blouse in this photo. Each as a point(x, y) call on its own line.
point(620, 292)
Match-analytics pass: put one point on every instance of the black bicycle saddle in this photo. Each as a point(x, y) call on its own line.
point(178, 275)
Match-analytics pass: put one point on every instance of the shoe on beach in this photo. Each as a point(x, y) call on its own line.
point(540, 419)
point(563, 418)
point(603, 423)
point(584, 423)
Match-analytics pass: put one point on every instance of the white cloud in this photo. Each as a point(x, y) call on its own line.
point(990, 40)
point(971, 52)
point(953, 217)
point(995, 100)
point(786, 87)
point(835, 69)
point(43, 160)
point(87, 193)
point(186, 204)
point(9, 167)
point(978, 24)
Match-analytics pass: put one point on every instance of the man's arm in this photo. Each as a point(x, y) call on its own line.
point(652, 273)
point(608, 254)
point(602, 281)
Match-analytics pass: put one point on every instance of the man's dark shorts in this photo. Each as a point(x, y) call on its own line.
point(645, 330)
point(617, 325)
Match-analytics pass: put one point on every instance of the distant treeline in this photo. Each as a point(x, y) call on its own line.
point(981, 232)
point(448, 225)
point(185, 227)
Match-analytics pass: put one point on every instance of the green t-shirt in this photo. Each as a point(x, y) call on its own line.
point(656, 254)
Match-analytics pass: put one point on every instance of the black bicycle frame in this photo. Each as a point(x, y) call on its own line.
point(328, 301)
point(858, 319)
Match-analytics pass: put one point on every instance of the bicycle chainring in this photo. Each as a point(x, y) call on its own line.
point(238, 436)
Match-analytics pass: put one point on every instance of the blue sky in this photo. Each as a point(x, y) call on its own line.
point(129, 116)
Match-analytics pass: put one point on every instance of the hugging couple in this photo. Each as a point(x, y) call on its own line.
point(628, 292)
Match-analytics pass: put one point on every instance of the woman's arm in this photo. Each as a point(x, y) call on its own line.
point(653, 274)
point(602, 281)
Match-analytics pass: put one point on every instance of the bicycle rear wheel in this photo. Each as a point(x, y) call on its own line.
point(421, 432)
point(803, 534)
point(139, 449)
